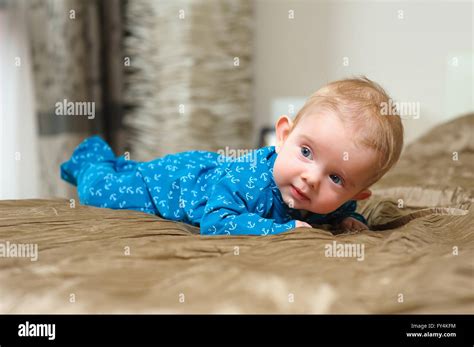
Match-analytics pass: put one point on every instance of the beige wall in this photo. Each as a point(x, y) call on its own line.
point(414, 58)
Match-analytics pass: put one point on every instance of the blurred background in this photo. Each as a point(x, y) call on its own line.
point(161, 76)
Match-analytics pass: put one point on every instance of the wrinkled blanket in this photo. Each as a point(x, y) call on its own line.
point(418, 256)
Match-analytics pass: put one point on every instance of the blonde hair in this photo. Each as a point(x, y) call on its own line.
point(359, 103)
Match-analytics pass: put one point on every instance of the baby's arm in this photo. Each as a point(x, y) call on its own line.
point(301, 224)
point(346, 217)
point(227, 222)
point(230, 210)
point(352, 224)
point(345, 211)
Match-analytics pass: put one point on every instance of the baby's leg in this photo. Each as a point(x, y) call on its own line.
point(117, 185)
point(103, 180)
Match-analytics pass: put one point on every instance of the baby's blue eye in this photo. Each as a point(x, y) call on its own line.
point(306, 152)
point(338, 179)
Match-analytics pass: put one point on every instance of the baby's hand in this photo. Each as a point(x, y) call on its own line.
point(300, 224)
point(352, 224)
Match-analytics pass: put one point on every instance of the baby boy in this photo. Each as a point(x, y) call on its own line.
point(338, 145)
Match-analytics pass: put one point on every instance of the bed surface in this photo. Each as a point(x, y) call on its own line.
point(94, 260)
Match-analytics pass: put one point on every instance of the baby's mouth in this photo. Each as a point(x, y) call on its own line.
point(298, 194)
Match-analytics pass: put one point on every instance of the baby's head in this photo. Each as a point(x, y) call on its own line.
point(338, 145)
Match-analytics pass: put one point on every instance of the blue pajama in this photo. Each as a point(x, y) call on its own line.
point(221, 195)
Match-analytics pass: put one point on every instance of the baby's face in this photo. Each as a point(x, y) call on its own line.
point(318, 168)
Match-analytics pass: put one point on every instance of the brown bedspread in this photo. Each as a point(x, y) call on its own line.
point(418, 258)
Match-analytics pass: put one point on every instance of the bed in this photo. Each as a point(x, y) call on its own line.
point(418, 255)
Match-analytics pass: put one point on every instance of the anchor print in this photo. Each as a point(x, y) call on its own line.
point(250, 184)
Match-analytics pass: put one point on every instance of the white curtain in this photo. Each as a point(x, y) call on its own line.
point(18, 128)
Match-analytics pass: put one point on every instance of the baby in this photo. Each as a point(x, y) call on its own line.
point(325, 160)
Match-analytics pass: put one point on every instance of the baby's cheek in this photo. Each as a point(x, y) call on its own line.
point(277, 174)
point(294, 167)
point(283, 171)
point(327, 203)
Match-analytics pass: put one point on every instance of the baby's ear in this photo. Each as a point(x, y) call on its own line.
point(365, 194)
point(283, 128)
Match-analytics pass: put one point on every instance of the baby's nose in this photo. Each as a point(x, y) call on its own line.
point(312, 180)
